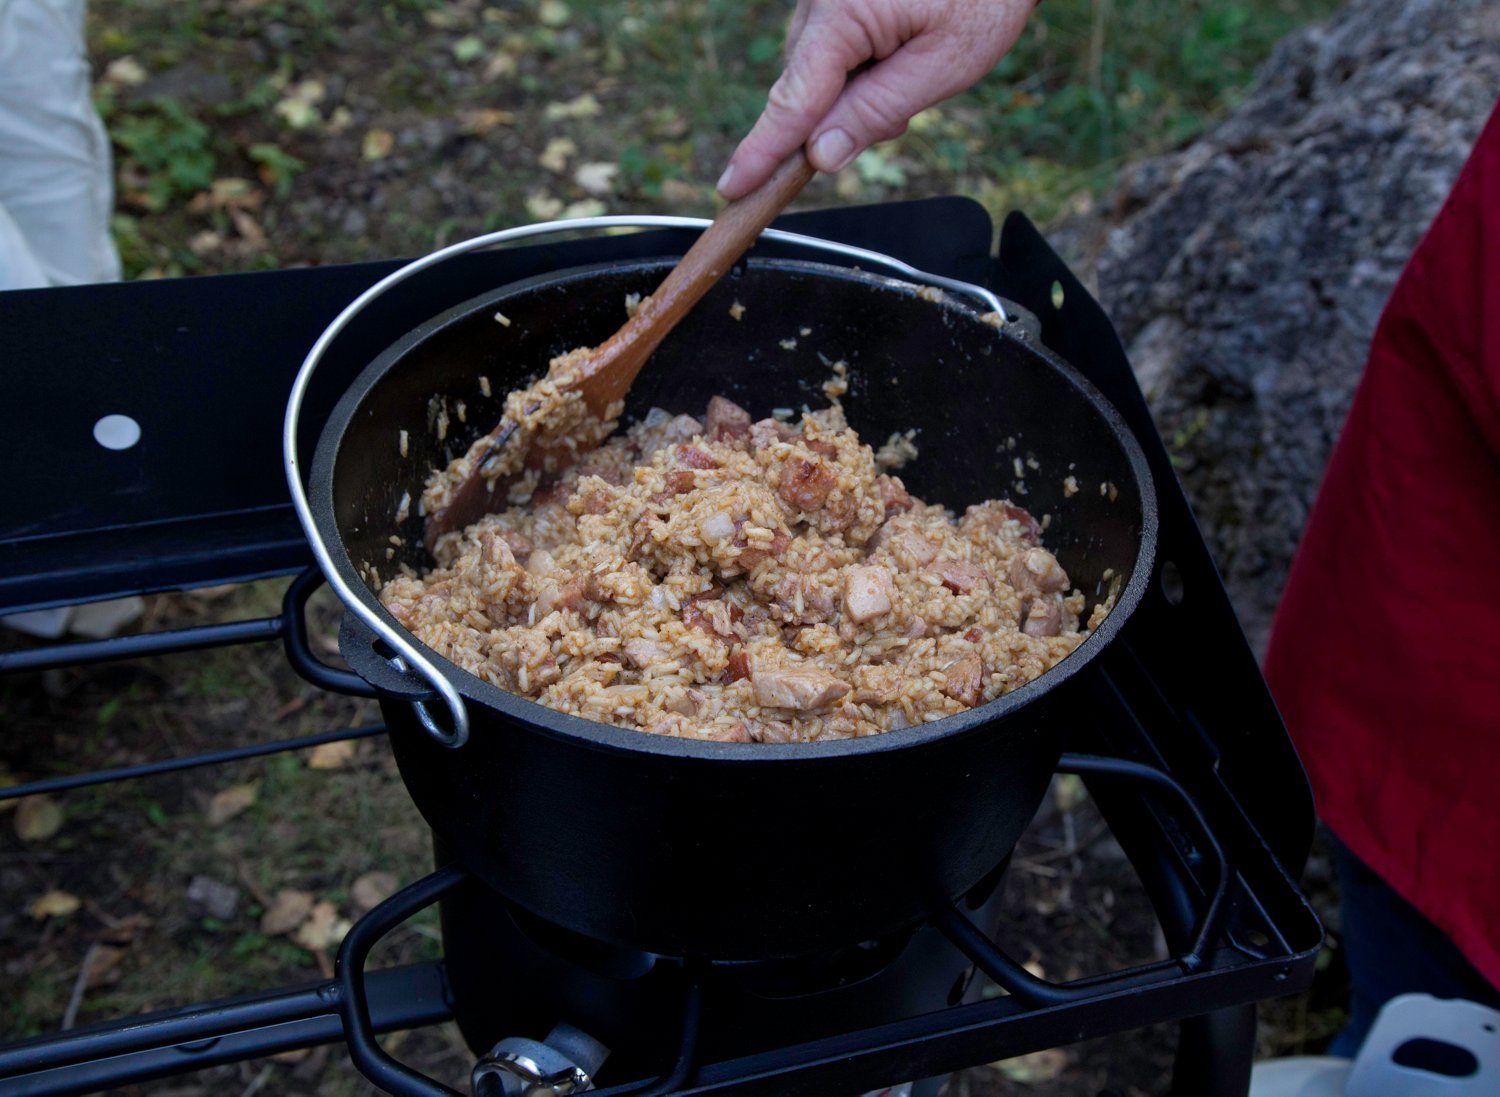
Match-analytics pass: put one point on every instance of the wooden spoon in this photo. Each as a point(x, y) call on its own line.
point(611, 368)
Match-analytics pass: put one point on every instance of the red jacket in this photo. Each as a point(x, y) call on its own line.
point(1385, 655)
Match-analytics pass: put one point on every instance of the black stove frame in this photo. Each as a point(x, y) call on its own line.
point(1182, 749)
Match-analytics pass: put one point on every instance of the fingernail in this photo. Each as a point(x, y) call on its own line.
point(725, 178)
point(833, 150)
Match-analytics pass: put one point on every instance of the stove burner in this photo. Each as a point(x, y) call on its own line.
point(1186, 756)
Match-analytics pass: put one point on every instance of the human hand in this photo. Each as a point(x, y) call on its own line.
point(923, 51)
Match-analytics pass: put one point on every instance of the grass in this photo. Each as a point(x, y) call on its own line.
point(285, 95)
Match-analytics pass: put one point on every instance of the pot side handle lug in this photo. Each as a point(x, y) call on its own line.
point(390, 678)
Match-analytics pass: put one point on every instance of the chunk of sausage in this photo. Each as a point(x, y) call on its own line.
point(712, 615)
point(1036, 571)
point(798, 688)
point(694, 458)
point(911, 548)
point(771, 731)
point(749, 556)
point(867, 593)
point(893, 494)
point(806, 484)
point(736, 732)
point(725, 421)
point(641, 653)
point(1003, 519)
point(1044, 617)
point(566, 595)
point(661, 431)
point(959, 576)
point(767, 432)
point(801, 600)
point(965, 682)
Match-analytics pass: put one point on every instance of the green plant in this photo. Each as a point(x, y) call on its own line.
point(277, 166)
point(167, 148)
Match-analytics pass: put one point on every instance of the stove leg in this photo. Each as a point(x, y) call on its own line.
point(1214, 1054)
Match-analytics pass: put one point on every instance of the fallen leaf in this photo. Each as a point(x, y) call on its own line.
point(124, 931)
point(287, 911)
point(877, 168)
point(323, 928)
point(378, 144)
point(298, 113)
point(554, 13)
point(309, 91)
point(231, 192)
point(543, 207)
point(679, 192)
point(588, 207)
point(37, 818)
point(476, 123)
point(1039, 1066)
point(298, 106)
point(555, 156)
point(125, 72)
point(229, 802)
point(102, 966)
point(585, 106)
point(372, 889)
point(501, 65)
point(468, 48)
point(597, 178)
point(339, 120)
point(1069, 791)
point(333, 755)
point(205, 243)
point(250, 232)
point(442, 18)
point(926, 121)
point(54, 904)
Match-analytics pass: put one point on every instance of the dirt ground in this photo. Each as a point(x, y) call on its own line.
point(177, 886)
point(257, 134)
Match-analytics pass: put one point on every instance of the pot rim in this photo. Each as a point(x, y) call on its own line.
point(322, 531)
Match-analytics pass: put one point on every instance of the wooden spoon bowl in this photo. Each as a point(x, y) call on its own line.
point(610, 368)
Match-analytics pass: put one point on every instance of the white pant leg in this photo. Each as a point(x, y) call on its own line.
point(56, 184)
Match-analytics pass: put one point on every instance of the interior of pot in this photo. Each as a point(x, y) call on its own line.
point(995, 415)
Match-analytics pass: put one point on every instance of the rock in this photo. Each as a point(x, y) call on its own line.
point(1248, 270)
point(208, 896)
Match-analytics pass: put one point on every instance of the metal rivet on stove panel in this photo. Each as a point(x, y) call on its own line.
point(117, 432)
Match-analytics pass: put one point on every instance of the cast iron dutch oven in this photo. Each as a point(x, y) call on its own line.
point(724, 850)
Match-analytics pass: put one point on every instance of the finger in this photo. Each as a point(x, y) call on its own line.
point(878, 103)
point(807, 88)
point(794, 28)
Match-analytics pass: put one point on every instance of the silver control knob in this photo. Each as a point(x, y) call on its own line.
point(562, 1064)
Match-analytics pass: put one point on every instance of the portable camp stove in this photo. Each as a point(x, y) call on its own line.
point(1182, 748)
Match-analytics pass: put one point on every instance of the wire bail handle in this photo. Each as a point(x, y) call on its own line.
point(409, 655)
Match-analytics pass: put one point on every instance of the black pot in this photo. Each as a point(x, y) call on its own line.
point(742, 851)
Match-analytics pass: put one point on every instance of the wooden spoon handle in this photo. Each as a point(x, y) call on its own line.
point(616, 362)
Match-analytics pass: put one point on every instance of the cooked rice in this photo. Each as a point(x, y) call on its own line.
point(744, 583)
